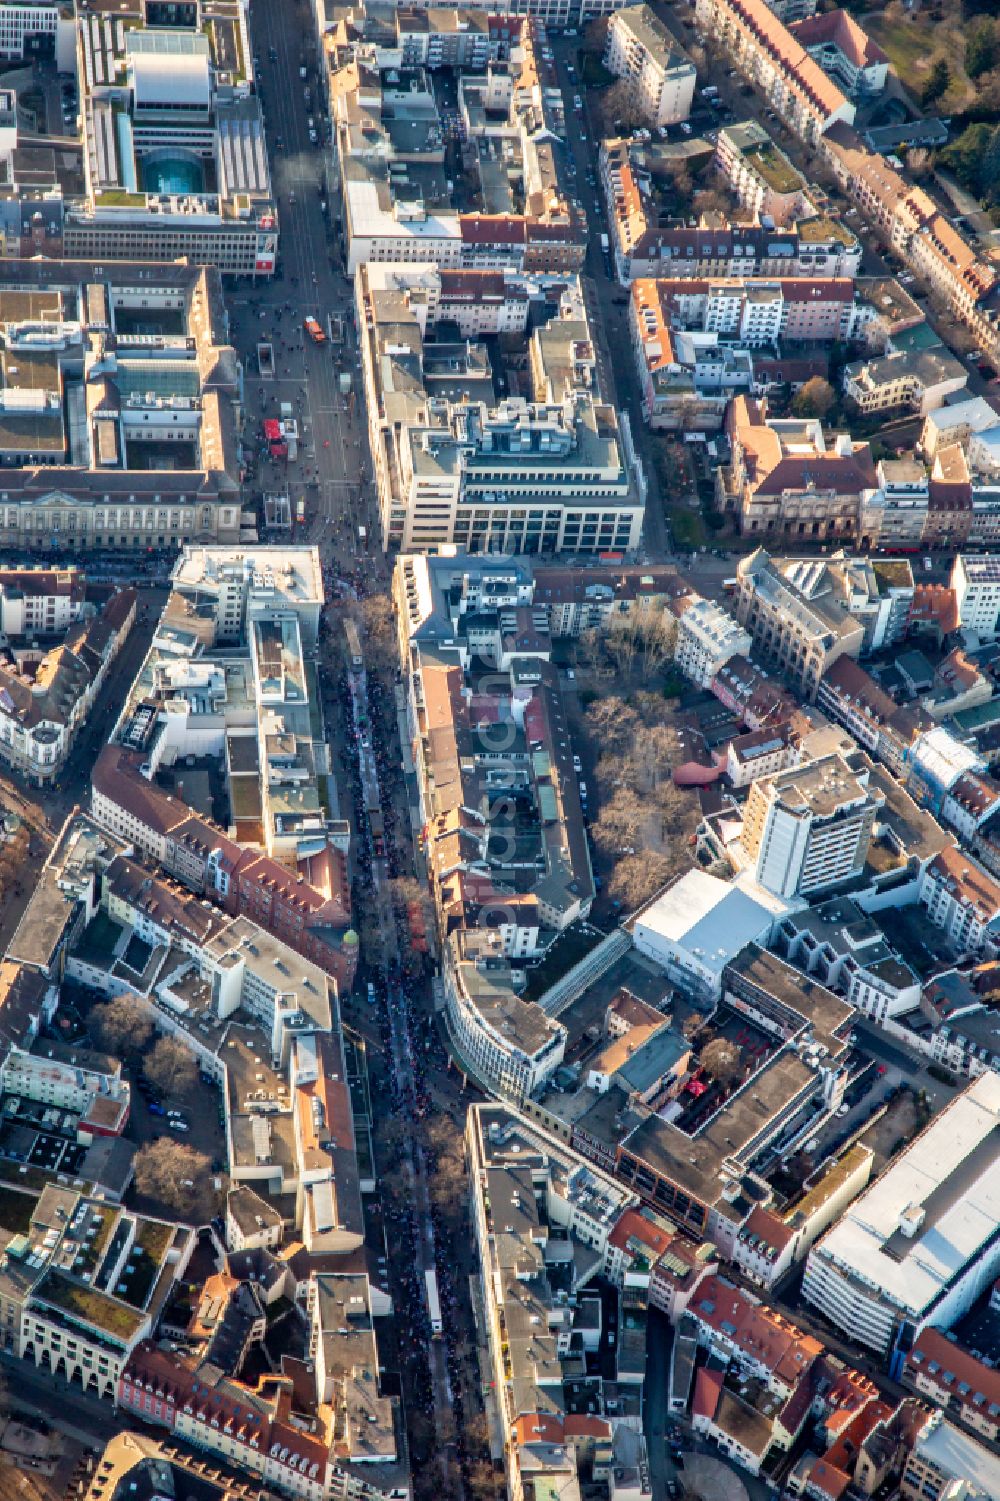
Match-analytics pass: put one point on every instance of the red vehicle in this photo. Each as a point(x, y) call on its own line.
point(275, 439)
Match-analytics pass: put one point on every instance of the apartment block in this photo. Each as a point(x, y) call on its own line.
point(239, 703)
point(770, 57)
point(531, 1334)
point(707, 638)
point(641, 50)
point(801, 633)
point(699, 342)
point(40, 602)
point(46, 695)
point(960, 897)
point(807, 830)
point(844, 50)
point(642, 245)
point(173, 140)
point(760, 175)
point(934, 249)
point(788, 478)
point(918, 381)
point(851, 697)
point(958, 422)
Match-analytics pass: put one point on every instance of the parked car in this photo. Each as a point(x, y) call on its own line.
point(155, 1109)
point(178, 1125)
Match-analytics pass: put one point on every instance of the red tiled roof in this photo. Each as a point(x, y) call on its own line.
point(759, 1331)
point(955, 1368)
point(967, 882)
point(707, 1390)
point(839, 28)
point(635, 1226)
point(539, 1428)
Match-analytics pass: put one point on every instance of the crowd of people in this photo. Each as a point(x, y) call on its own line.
point(410, 1043)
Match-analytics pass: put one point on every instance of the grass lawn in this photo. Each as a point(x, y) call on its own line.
point(687, 526)
point(91, 1306)
point(916, 42)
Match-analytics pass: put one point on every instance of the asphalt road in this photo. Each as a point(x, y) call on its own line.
point(332, 469)
point(617, 374)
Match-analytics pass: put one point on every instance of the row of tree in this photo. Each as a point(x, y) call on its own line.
point(645, 820)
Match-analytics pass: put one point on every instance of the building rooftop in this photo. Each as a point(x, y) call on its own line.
point(933, 1209)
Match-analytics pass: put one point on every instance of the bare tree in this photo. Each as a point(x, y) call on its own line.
point(722, 1059)
point(617, 106)
point(171, 1172)
point(638, 877)
point(171, 1067)
point(620, 824)
point(692, 1025)
point(711, 201)
point(611, 723)
point(122, 1024)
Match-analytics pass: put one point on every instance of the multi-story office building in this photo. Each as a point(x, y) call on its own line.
point(879, 1274)
point(792, 627)
point(38, 29)
point(120, 396)
point(173, 140)
point(642, 50)
point(945, 1462)
point(707, 637)
point(490, 472)
point(398, 204)
point(807, 829)
point(56, 1308)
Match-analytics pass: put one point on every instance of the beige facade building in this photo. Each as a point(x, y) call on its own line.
point(794, 630)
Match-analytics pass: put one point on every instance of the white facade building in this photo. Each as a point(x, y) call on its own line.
point(976, 582)
point(923, 1242)
point(642, 50)
point(707, 637)
point(808, 829)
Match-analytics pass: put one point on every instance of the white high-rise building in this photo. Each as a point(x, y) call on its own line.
point(641, 49)
point(807, 829)
point(976, 582)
